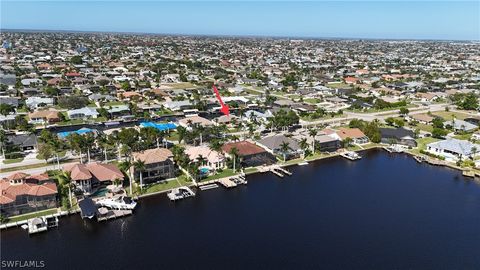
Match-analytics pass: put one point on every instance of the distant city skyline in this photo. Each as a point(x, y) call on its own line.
point(440, 20)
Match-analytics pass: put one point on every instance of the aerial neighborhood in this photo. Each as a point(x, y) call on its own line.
point(91, 116)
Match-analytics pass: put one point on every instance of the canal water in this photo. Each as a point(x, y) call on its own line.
point(385, 211)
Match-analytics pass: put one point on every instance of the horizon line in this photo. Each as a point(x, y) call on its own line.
point(231, 35)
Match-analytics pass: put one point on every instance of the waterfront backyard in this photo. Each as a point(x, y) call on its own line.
point(332, 213)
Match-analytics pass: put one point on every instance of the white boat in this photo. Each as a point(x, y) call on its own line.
point(36, 225)
point(351, 155)
point(118, 202)
point(303, 163)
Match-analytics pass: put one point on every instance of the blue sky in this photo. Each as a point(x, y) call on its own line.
point(348, 19)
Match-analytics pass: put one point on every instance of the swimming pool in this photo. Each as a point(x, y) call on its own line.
point(159, 126)
point(204, 170)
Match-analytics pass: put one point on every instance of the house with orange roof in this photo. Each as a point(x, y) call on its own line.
point(351, 80)
point(89, 177)
point(21, 193)
point(355, 134)
point(43, 117)
point(211, 158)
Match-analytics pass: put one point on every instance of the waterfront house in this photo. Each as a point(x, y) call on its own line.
point(357, 136)
point(25, 142)
point(158, 162)
point(398, 136)
point(327, 143)
point(249, 153)
point(88, 177)
point(273, 144)
point(453, 149)
point(212, 159)
point(22, 193)
point(83, 113)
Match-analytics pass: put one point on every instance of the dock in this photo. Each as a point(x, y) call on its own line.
point(283, 170)
point(208, 186)
point(105, 214)
point(226, 182)
point(351, 156)
point(180, 193)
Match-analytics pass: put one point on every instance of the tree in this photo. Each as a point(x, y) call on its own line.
point(313, 133)
point(284, 146)
point(182, 131)
point(470, 102)
point(390, 121)
point(399, 122)
point(304, 146)
point(404, 111)
point(76, 60)
point(45, 151)
point(125, 167)
point(234, 153)
point(65, 181)
point(347, 142)
point(439, 133)
point(6, 109)
point(140, 167)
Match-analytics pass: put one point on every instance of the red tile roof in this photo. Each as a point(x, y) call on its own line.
point(245, 148)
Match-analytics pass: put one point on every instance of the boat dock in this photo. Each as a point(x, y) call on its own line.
point(106, 214)
point(226, 182)
point(208, 186)
point(180, 193)
point(351, 155)
point(275, 169)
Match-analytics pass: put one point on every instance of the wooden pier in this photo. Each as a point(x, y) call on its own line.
point(226, 182)
point(111, 214)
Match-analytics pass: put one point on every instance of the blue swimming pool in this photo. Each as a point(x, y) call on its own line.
point(204, 170)
point(159, 126)
point(79, 132)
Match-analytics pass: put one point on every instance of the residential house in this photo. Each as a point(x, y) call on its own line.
point(159, 165)
point(453, 149)
point(398, 136)
point(273, 144)
point(22, 193)
point(89, 177)
point(357, 136)
point(36, 102)
point(83, 113)
point(460, 125)
point(44, 117)
point(249, 153)
point(212, 159)
point(189, 122)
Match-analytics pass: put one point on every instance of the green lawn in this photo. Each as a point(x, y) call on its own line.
point(421, 144)
point(173, 136)
point(224, 173)
point(463, 136)
point(312, 100)
point(166, 185)
point(180, 85)
point(251, 170)
point(32, 215)
point(13, 160)
point(449, 115)
point(114, 103)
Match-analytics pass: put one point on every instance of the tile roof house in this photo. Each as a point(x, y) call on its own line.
point(213, 159)
point(87, 177)
point(44, 117)
point(190, 121)
point(273, 144)
point(454, 149)
point(250, 153)
point(355, 134)
point(159, 165)
point(22, 193)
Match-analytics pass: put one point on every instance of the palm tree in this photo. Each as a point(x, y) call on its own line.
point(181, 133)
point(140, 167)
point(304, 145)
point(284, 146)
point(201, 160)
point(313, 132)
point(125, 167)
point(65, 180)
point(89, 141)
point(234, 153)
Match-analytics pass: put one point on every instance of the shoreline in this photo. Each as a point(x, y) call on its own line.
point(60, 214)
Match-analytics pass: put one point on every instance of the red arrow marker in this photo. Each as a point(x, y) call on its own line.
point(225, 109)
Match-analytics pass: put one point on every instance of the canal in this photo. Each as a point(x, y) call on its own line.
point(382, 212)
